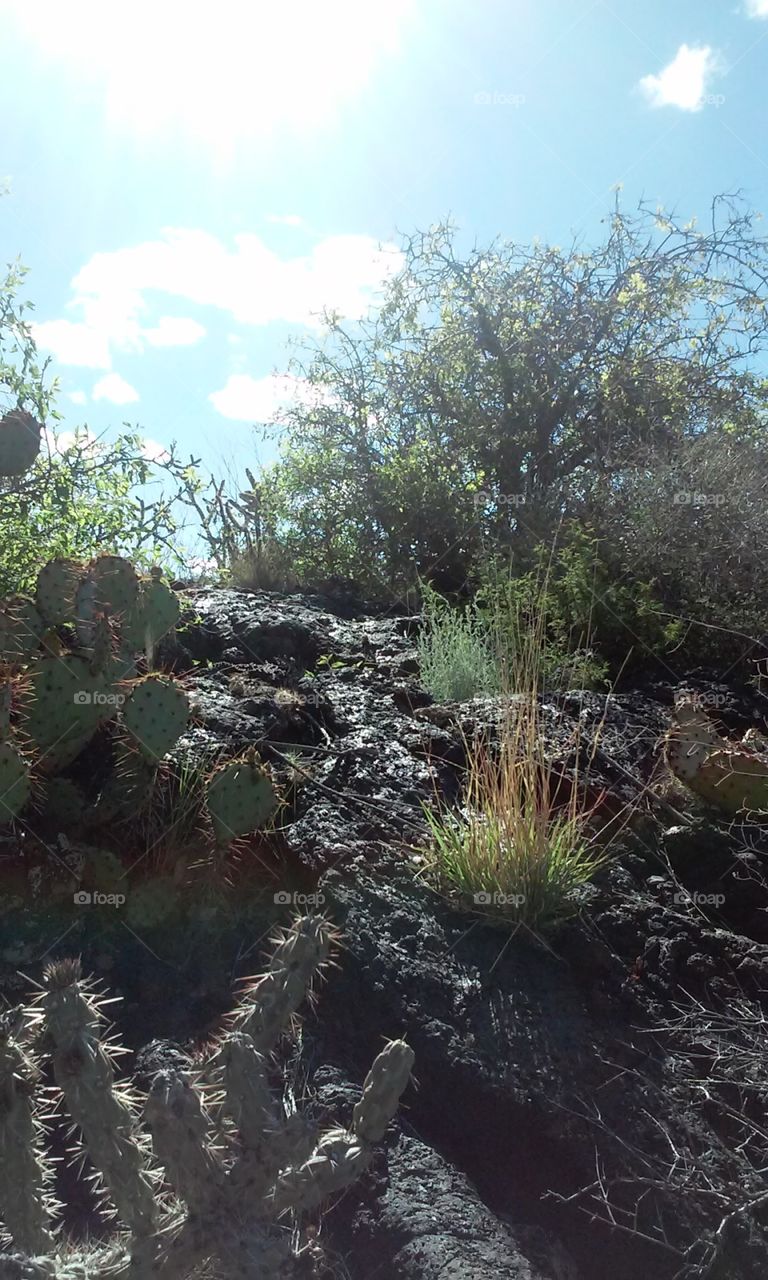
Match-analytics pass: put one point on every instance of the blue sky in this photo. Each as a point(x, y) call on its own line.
point(191, 184)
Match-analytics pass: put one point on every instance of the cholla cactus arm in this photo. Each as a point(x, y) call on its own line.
point(267, 1007)
point(338, 1160)
point(340, 1157)
point(384, 1084)
point(25, 1203)
point(83, 1071)
point(226, 1205)
point(181, 1138)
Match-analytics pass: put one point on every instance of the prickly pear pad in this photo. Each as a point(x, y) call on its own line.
point(63, 706)
point(240, 798)
point(57, 584)
point(117, 585)
point(156, 714)
point(20, 629)
point(14, 782)
point(155, 614)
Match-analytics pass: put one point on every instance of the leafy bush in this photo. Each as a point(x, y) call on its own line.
point(597, 616)
point(456, 656)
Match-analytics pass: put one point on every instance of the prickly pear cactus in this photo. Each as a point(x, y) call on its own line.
point(156, 714)
point(731, 776)
point(21, 629)
point(57, 586)
point(20, 436)
point(196, 1178)
point(15, 784)
point(240, 797)
point(71, 669)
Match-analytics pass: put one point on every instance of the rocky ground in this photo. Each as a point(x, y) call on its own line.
point(588, 1106)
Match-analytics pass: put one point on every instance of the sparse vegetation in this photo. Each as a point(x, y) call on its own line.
point(522, 844)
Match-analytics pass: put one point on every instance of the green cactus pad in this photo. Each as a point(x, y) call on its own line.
point(57, 584)
point(117, 585)
point(63, 706)
point(14, 782)
point(156, 714)
point(20, 435)
point(151, 903)
point(240, 797)
point(155, 614)
point(20, 629)
point(727, 775)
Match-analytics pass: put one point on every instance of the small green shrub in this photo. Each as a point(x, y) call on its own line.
point(455, 651)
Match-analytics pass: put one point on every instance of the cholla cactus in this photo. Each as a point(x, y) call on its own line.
point(204, 1171)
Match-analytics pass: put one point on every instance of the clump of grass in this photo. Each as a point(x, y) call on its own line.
point(262, 567)
point(524, 843)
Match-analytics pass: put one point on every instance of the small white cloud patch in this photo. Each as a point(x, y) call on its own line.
point(114, 388)
point(757, 8)
point(683, 82)
point(153, 451)
point(247, 399)
point(74, 343)
point(78, 397)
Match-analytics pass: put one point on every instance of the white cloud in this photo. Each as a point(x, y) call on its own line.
point(757, 8)
point(59, 441)
point(683, 82)
point(174, 331)
point(77, 397)
point(247, 399)
point(113, 387)
point(115, 290)
point(217, 74)
point(74, 343)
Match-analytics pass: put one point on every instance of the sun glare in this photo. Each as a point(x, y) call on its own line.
point(218, 73)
